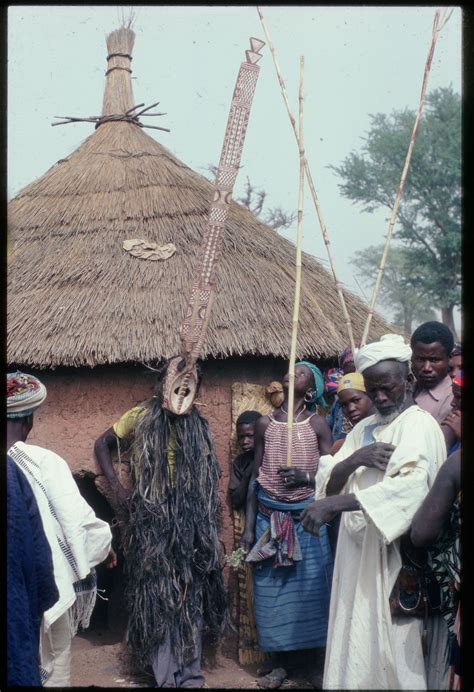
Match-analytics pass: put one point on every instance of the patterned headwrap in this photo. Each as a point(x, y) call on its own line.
point(24, 394)
point(331, 379)
point(317, 397)
point(352, 380)
point(347, 356)
point(457, 350)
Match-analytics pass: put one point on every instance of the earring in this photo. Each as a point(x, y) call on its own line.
point(308, 396)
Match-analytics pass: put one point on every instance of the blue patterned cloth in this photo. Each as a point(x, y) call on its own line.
point(335, 419)
point(31, 588)
point(292, 603)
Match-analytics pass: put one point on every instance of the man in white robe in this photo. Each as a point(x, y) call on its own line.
point(378, 479)
point(78, 539)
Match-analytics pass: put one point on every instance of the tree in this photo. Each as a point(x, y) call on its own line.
point(398, 290)
point(254, 198)
point(429, 215)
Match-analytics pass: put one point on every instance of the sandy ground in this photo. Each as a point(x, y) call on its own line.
point(97, 661)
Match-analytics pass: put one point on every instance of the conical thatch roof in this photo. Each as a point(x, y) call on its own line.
point(75, 297)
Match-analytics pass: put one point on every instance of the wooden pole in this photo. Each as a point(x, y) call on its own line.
point(309, 178)
point(435, 33)
point(296, 305)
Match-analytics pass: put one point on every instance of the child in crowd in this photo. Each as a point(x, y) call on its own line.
point(243, 463)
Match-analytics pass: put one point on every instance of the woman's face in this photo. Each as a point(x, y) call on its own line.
point(356, 405)
point(455, 366)
point(303, 380)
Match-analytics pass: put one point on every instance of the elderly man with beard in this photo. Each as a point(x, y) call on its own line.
point(378, 479)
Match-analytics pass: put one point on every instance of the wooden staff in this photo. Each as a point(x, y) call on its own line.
point(296, 306)
point(435, 33)
point(311, 187)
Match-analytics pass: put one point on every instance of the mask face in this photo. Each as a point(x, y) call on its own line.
point(179, 387)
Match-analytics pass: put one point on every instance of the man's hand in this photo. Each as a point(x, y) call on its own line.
point(453, 421)
point(375, 456)
point(318, 513)
point(111, 560)
point(247, 540)
point(292, 478)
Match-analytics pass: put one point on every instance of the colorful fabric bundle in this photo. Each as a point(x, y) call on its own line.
point(279, 540)
point(331, 379)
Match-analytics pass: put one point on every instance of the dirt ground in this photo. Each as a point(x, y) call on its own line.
point(97, 660)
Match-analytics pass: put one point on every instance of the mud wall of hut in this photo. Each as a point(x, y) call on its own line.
point(84, 402)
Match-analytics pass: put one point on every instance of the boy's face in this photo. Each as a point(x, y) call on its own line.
point(245, 434)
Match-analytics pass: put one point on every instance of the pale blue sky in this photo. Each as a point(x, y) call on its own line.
point(358, 61)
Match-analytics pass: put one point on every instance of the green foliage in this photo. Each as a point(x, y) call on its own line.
point(400, 290)
point(429, 215)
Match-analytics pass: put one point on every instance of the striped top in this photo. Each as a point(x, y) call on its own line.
point(305, 456)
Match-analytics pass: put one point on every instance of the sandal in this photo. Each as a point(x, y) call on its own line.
point(272, 680)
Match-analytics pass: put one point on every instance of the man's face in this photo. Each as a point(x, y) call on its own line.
point(245, 436)
point(430, 363)
point(386, 387)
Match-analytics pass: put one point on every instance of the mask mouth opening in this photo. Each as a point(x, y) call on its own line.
point(179, 387)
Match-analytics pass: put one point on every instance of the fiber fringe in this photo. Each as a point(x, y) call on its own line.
point(172, 546)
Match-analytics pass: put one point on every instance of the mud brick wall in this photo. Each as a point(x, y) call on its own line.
point(84, 402)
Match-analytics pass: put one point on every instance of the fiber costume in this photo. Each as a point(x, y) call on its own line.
point(175, 584)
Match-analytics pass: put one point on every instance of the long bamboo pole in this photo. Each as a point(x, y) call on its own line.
point(434, 37)
point(296, 305)
point(309, 178)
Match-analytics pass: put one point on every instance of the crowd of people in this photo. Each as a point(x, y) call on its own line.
point(353, 547)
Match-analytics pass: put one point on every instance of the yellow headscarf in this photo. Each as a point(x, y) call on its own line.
point(353, 380)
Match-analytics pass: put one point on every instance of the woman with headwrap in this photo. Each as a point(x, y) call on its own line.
point(292, 570)
point(335, 418)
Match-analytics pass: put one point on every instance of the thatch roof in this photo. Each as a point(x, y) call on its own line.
point(75, 297)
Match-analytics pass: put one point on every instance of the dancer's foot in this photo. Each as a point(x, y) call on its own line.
point(272, 680)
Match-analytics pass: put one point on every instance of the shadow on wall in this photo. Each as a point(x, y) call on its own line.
point(110, 614)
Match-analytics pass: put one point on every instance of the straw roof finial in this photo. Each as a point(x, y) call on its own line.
point(118, 94)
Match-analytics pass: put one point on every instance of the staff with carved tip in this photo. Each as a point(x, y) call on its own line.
point(181, 379)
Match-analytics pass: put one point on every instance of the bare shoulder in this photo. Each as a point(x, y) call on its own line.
point(319, 423)
point(262, 424)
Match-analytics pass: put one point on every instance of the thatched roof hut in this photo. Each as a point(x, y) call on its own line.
point(85, 311)
point(76, 297)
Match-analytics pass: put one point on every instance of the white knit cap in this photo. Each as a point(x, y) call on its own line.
point(390, 347)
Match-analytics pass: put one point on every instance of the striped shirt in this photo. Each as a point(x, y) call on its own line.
point(304, 455)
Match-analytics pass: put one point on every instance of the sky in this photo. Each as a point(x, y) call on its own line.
point(359, 60)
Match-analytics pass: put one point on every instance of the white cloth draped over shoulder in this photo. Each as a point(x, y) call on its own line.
point(78, 539)
point(366, 649)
